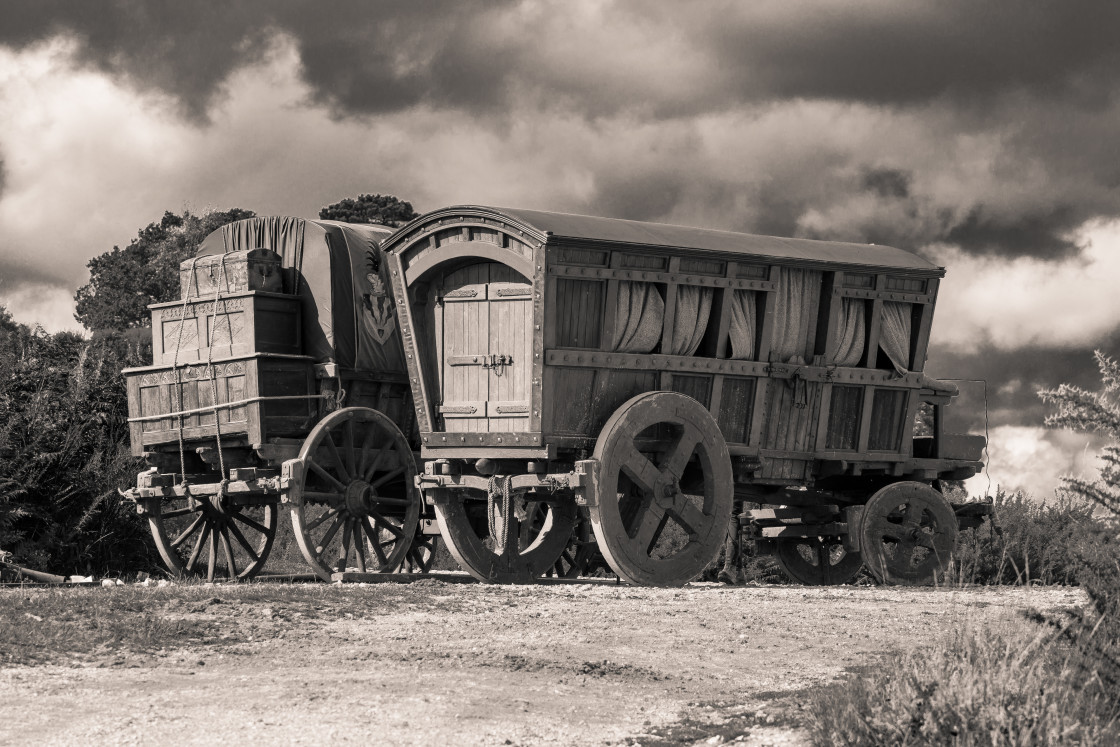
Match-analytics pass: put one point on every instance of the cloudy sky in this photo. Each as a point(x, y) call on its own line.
point(982, 135)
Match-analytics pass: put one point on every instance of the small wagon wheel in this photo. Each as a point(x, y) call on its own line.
point(465, 518)
point(421, 553)
point(818, 561)
point(357, 503)
point(577, 556)
point(220, 537)
point(907, 533)
point(665, 489)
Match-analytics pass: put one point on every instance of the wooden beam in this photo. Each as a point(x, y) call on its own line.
point(669, 320)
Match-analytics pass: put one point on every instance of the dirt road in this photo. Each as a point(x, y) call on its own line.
point(448, 663)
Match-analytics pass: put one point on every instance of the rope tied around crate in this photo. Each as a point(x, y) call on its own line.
point(210, 360)
point(179, 373)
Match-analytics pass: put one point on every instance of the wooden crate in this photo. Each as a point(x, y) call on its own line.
point(245, 323)
point(159, 390)
point(255, 269)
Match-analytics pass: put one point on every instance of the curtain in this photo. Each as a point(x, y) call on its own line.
point(743, 327)
point(795, 318)
point(894, 335)
point(850, 332)
point(639, 314)
point(694, 305)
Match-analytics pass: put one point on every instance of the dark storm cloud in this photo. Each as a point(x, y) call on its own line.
point(1040, 234)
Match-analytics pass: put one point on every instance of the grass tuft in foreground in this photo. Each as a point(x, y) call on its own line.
point(1013, 686)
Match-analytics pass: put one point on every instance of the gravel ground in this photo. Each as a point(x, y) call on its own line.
point(452, 663)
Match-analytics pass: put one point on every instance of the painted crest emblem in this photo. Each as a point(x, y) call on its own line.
point(377, 302)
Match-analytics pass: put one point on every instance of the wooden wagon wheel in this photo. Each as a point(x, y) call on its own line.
point(421, 553)
point(464, 522)
point(577, 555)
point(907, 533)
point(222, 537)
point(665, 489)
point(818, 561)
point(359, 505)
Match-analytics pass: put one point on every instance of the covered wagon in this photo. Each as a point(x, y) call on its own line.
point(279, 375)
point(651, 375)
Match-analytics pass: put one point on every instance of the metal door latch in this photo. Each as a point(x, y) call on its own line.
point(497, 362)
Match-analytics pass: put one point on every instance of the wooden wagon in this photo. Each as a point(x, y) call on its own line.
point(279, 377)
point(653, 375)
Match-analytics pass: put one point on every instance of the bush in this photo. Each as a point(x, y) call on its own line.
point(1029, 541)
point(975, 687)
point(64, 452)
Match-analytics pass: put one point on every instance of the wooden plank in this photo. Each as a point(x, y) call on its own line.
point(823, 417)
point(830, 309)
point(656, 276)
point(610, 312)
point(871, 355)
point(766, 332)
point(865, 420)
point(723, 321)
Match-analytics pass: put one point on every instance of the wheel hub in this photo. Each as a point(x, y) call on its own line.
point(360, 497)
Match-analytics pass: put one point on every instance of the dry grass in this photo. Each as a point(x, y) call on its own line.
point(1008, 686)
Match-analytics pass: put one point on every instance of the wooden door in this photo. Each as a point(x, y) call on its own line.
point(790, 427)
point(487, 349)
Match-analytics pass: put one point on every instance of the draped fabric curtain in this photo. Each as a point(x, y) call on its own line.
point(743, 326)
point(639, 314)
point(894, 335)
point(795, 319)
point(851, 332)
point(694, 305)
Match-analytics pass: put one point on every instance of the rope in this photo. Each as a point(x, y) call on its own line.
point(178, 371)
point(210, 359)
point(499, 487)
point(228, 406)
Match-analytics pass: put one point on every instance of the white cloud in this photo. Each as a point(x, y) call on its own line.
point(1033, 459)
point(1012, 303)
point(49, 306)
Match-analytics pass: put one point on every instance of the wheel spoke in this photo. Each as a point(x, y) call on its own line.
point(686, 512)
point(387, 524)
point(193, 559)
point(360, 545)
point(641, 470)
point(376, 463)
point(367, 445)
point(177, 512)
point(650, 527)
point(250, 522)
point(344, 548)
point(227, 550)
point(321, 518)
point(375, 542)
point(682, 451)
point(330, 498)
point(332, 530)
point(211, 555)
point(188, 531)
point(348, 444)
point(325, 475)
point(386, 477)
point(237, 535)
point(391, 501)
point(333, 448)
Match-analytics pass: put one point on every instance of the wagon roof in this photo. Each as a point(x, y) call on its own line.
point(559, 227)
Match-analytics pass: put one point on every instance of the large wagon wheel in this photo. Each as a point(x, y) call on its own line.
point(907, 533)
point(421, 554)
point(465, 518)
point(222, 537)
point(818, 561)
point(358, 500)
point(577, 555)
point(665, 489)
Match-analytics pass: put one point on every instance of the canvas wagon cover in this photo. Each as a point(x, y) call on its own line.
point(338, 270)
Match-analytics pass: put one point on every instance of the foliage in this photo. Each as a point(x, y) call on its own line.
point(973, 687)
point(1028, 541)
point(384, 209)
point(64, 452)
point(124, 281)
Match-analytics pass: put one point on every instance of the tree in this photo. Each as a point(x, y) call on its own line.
point(383, 209)
point(124, 281)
